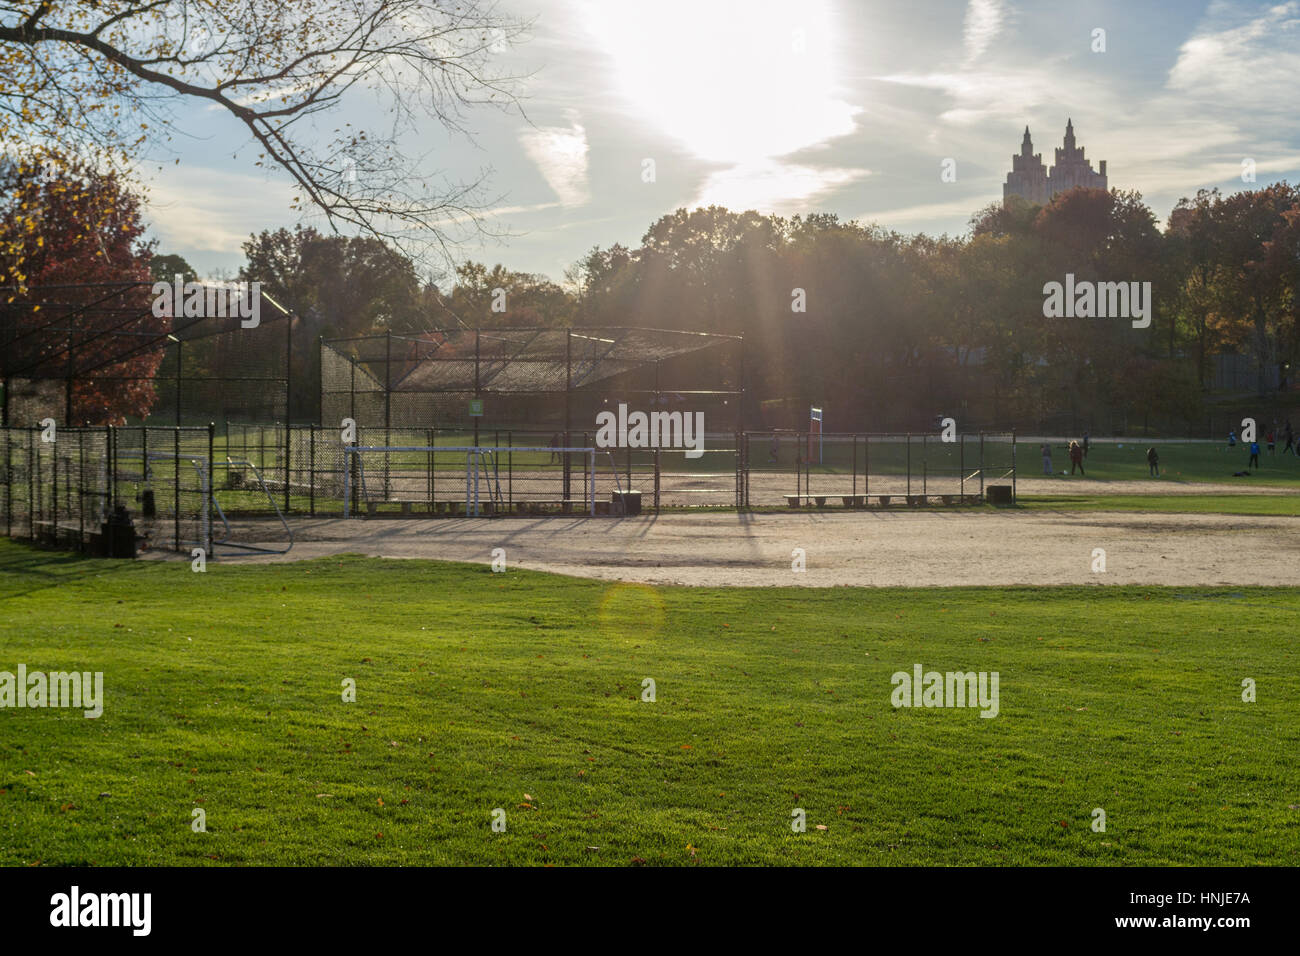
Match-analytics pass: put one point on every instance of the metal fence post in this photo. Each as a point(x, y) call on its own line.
point(855, 466)
point(33, 462)
point(81, 490)
point(798, 466)
point(656, 481)
point(925, 463)
point(311, 470)
point(8, 481)
point(176, 484)
point(112, 471)
point(1013, 466)
point(909, 465)
point(54, 500)
point(211, 489)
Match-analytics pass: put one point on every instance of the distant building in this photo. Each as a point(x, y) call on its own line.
point(1031, 180)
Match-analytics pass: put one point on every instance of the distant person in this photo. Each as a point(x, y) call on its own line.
point(1086, 442)
point(1272, 441)
point(1153, 462)
point(1232, 438)
point(1047, 458)
point(556, 457)
point(1076, 458)
point(1254, 455)
point(1290, 438)
point(774, 453)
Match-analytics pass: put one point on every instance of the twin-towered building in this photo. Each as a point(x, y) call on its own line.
point(1031, 180)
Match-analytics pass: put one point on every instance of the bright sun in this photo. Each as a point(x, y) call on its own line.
point(735, 82)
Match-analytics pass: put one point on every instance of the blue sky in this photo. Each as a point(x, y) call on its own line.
point(843, 106)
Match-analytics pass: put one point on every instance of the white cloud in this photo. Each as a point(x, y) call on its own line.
point(984, 20)
point(917, 217)
point(560, 153)
point(772, 186)
point(1251, 65)
point(201, 209)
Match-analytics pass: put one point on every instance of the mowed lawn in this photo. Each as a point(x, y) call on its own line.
point(1282, 505)
point(522, 691)
point(1180, 461)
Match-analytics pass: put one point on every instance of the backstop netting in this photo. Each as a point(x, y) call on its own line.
point(97, 353)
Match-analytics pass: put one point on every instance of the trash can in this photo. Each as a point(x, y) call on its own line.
point(119, 534)
point(626, 502)
point(998, 494)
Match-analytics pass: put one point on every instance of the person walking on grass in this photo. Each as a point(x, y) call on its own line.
point(1290, 438)
point(1232, 438)
point(1047, 458)
point(1271, 438)
point(1254, 455)
point(1153, 462)
point(1076, 458)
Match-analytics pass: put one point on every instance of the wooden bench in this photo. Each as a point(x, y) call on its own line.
point(850, 501)
point(796, 501)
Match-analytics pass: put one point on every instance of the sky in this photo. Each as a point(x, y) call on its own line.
point(848, 107)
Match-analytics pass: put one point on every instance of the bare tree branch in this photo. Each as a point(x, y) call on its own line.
point(80, 76)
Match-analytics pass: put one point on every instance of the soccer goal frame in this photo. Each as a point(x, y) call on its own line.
point(481, 482)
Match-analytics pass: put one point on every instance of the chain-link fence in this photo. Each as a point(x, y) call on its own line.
point(862, 470)
point(235, 485)
point(101, 352)
point(108, 490)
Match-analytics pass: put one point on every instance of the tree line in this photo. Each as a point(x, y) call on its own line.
point(885, 329)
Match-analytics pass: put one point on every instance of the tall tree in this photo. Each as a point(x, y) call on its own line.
point(74, 228)
point(338, 287)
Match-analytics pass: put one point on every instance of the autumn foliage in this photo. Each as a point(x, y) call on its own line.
point(77, 296)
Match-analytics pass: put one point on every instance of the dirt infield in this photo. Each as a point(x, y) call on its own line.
point(884, 548)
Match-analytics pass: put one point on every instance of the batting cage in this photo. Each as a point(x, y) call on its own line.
point(531, 420)
point(114, 352)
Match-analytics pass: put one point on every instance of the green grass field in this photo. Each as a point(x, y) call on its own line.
point(1179, 461)
point(522, 691)
point(1284, 505)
